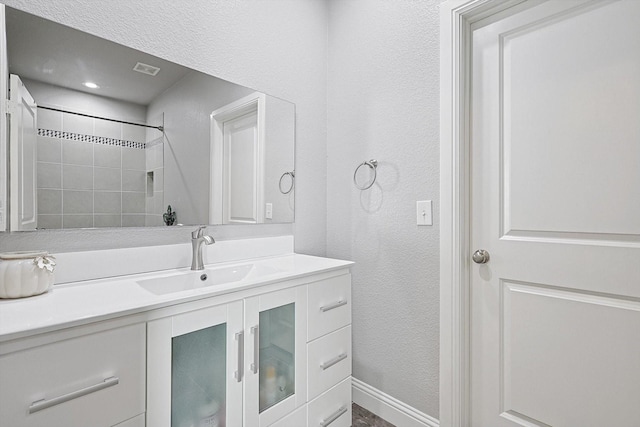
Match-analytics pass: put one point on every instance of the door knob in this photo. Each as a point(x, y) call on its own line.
point(480, 256)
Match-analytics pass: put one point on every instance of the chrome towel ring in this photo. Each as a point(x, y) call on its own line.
point(291, 174)
point(373, 165)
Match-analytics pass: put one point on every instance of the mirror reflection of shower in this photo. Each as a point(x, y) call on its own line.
point(96, 171)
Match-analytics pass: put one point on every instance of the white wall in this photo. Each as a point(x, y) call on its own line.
point(277, 47)
point(383, 104)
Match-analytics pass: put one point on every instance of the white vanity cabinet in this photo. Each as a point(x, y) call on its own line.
point(254, 362)
point(93, 380)
point(272, 352)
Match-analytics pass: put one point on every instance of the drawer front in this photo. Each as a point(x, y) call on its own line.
point(328, 306)
point(94, 380)
point(298, 418)
point(333, 408)
point(328, 361)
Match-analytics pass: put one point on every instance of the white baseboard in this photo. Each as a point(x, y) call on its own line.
point(389, 408)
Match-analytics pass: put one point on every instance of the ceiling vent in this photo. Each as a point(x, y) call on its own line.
point(146, 69)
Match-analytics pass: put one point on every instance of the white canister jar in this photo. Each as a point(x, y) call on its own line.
point(24, 274)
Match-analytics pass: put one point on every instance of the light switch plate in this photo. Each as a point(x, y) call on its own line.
point(423, 212)
point(268, 211)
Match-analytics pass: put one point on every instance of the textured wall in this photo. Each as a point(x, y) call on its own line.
point(383, 104)
point(277, 47)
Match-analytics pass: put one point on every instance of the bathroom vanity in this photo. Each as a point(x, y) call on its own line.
point(257, 342)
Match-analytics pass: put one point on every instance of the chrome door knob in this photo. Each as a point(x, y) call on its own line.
point(480, 256)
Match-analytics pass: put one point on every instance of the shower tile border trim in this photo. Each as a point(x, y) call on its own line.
point(93, 139)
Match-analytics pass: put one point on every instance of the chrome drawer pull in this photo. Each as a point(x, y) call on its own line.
point(330, 363)
point(333, 417)
point(240, 338)
point(332, 306)
point(39, 405)
point(255, 330)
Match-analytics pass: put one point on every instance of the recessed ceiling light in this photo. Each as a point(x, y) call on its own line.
point(91, 85)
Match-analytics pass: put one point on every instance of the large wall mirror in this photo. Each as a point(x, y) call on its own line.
point(101, 135)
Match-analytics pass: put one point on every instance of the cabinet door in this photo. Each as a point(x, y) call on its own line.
point(195, 369)
point(276, 355)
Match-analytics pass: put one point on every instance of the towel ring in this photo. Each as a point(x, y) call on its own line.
point(292, 174)
point(373, 164)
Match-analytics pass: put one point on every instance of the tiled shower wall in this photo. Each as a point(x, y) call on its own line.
point(91, 172)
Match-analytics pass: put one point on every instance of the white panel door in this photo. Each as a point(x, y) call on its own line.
point(555, 184)
point(23, 137)
point(241, 156)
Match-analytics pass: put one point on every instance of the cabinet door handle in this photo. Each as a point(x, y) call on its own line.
point(39, 405)
point(332, 306)
point(239, 373)
point(333, 417)
point(255, 330)
point(330, 363)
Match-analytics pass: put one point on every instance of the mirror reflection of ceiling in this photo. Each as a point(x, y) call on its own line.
point(45, 51)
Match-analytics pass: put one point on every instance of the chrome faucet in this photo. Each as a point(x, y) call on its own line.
point(197, 239)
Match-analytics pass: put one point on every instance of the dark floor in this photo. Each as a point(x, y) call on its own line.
point(364, 418)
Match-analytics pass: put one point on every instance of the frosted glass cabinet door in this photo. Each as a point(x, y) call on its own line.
point(276, 355)
point(195, 368)
point(198, 377)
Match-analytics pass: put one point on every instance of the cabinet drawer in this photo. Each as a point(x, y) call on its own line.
point(328, 361)
point(333, 408)
point(94, 380)
point(296, 419)
point(328, 306)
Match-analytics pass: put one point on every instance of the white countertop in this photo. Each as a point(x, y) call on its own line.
point(79, 303)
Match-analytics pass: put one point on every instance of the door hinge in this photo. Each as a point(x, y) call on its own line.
point(10, 106)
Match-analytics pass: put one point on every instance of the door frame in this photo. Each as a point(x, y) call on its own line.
point(255, 102)
point(456, 20)
point(4, 96)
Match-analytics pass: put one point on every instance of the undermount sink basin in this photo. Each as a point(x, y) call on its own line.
point(191, 280)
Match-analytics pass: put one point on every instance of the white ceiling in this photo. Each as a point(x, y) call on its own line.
point(42, 50)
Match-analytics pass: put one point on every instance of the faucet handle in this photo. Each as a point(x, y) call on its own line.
point(199, 232)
